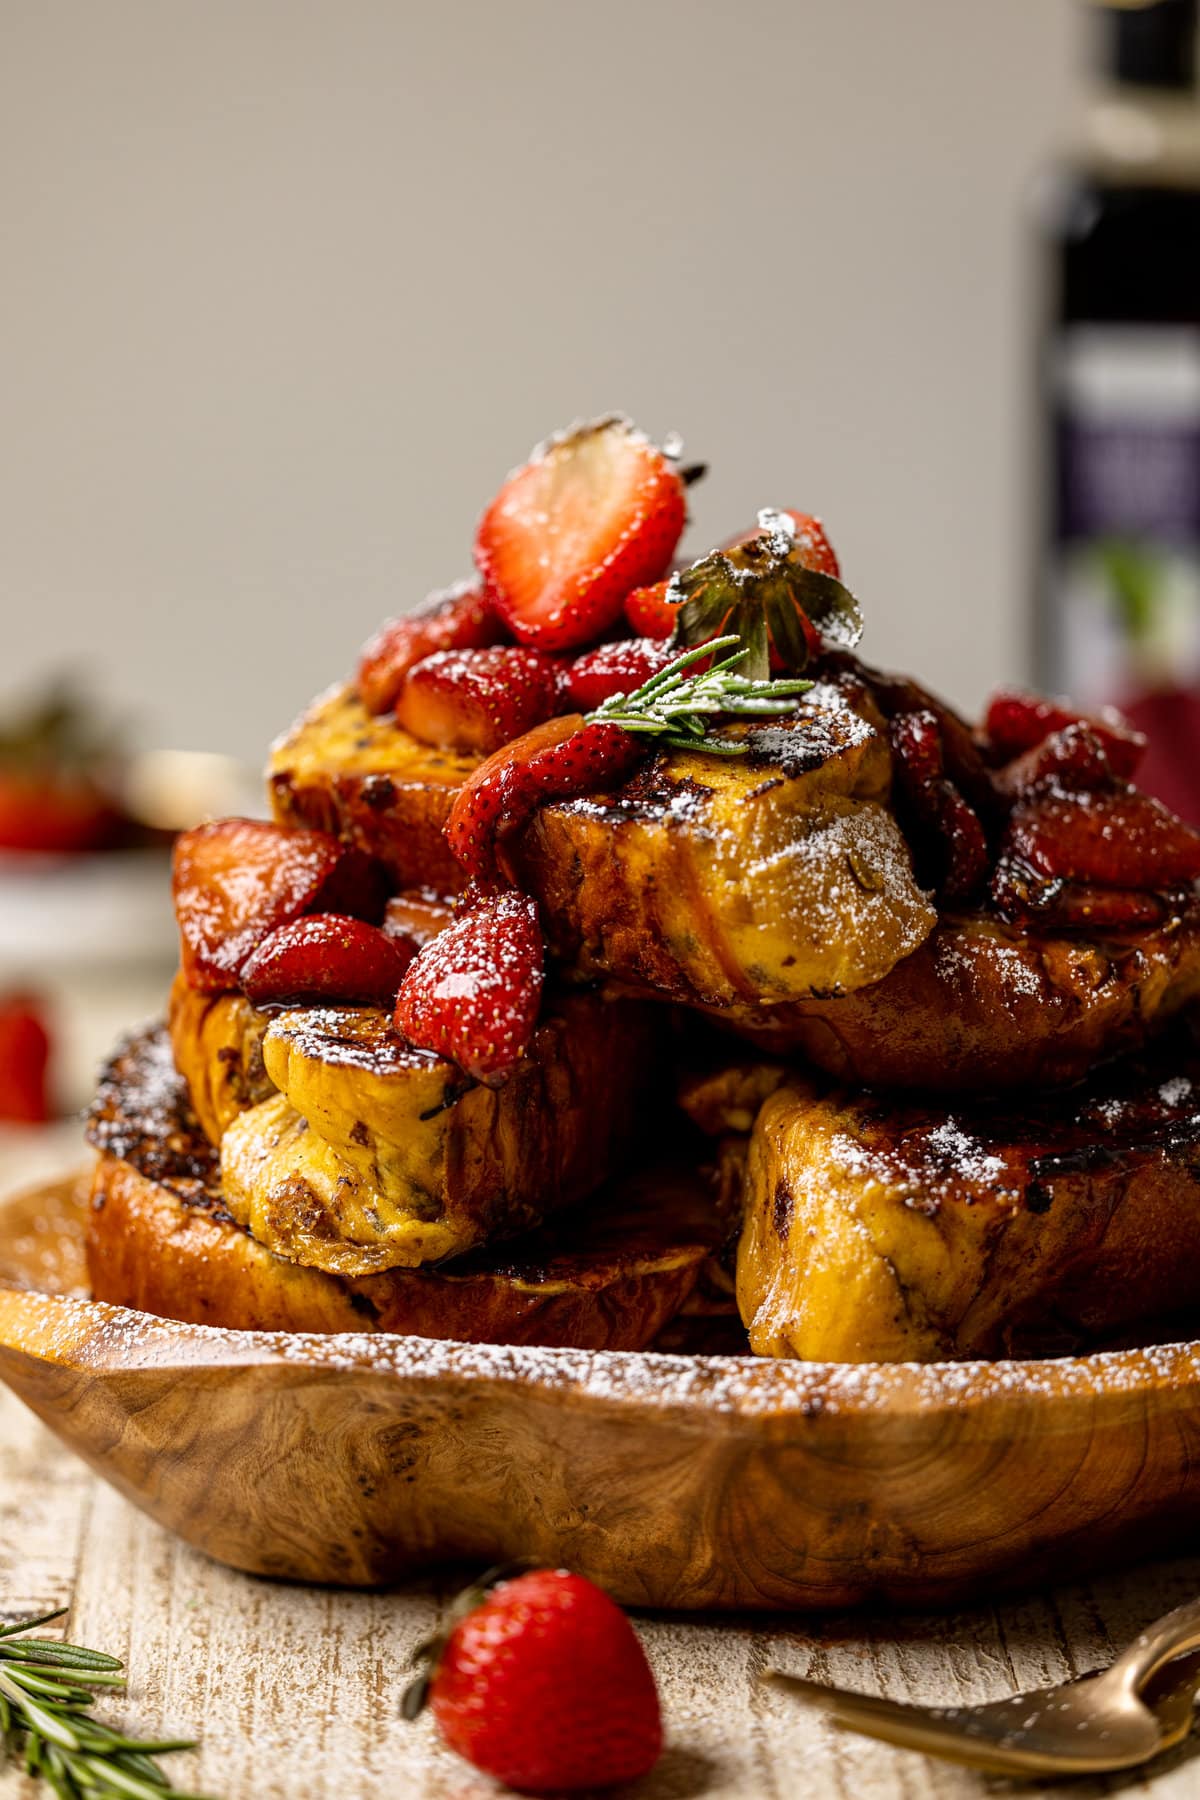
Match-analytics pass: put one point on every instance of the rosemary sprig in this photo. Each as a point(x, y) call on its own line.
point(677, 708)
point(45, 1721)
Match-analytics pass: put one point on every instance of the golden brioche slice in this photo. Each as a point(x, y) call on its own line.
point(983, 1006)
point(160, 1239)
point(887, 1230)
point(217, 1044)
point(374, 1155)
point(363, 778)
point(759, 878)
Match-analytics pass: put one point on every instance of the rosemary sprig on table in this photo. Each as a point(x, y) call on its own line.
point(45, 1722)
point(677, 708)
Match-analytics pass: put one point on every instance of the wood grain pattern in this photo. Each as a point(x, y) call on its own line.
point(295, 1690)
point(680, 1482)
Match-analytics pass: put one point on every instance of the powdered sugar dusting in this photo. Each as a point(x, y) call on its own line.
point(945, 1162)
point(99, 1337)
point(1008, 968)
point(965, 1153)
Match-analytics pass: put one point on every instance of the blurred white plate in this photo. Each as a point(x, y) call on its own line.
point(93, 938)
point(58, 913)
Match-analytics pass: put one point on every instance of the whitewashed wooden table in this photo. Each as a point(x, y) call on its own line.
point(295, 1692)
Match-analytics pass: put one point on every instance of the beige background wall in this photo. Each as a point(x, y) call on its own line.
point(285, 287)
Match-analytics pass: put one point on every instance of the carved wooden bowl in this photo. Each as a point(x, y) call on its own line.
point(675, 1481)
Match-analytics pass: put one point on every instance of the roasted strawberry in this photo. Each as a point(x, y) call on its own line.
point(946, 830)
point(964, 762)
point(615, 668)
point(813, 547)
point(24, 1061)
point(455, 618)
point(478, 699)
point(1046, 904)
point(1118, 839)
point(649, 613)
point(237, 880)
point(413, 918)
point(595, 513)
point(541, 1683)
point(472, 995)
point(1016, 721)
point(326, 956)
point(566, 756)
point(1073, 759)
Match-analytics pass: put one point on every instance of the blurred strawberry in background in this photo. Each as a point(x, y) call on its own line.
point(59, 778)
point(86, 929)
point(24, 1061)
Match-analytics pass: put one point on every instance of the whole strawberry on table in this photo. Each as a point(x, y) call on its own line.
point(540, 1681)
point(615, 865)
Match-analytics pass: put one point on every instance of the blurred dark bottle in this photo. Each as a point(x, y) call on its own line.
point(1118, 607)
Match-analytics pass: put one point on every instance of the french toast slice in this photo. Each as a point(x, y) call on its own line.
point(607, 1275)
point(217, 1041)
point(759, 878)
point(982, 1006)
point(881, 1229)
point(364, 779)
point(375, 1155)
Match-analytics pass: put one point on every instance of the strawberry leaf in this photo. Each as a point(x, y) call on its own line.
point(762, 593)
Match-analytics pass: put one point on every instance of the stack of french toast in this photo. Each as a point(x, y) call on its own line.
point(627, 964)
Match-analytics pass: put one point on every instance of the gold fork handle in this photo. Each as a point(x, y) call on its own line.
point(1171, 1636)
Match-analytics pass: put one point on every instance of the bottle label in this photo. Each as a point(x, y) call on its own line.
point(1125, 592)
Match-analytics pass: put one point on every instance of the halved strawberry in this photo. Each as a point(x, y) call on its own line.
point(473, 993)
point(566, 756)
point(1016, 721)
point(1120, 839)
point(326, 956)
point(478, 699)
point(595, 513)
point(813, 548)
point(454, 618)
point(615, 668)
point(237, 880)
point(649, 613)
point(413, 917)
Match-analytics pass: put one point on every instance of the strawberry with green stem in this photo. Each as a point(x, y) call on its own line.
point(766, 592)
point(539, 1681)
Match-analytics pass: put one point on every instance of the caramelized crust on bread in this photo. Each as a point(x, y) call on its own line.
point(374, 1155)
point(363, 778)
point(161, 1240)
point(759, 878)
point(881, 1230)
point(983, 1006)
